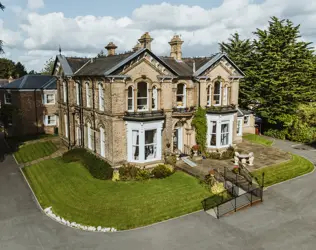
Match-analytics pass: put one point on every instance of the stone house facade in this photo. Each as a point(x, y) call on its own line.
point(34, 97)
point(133, 107)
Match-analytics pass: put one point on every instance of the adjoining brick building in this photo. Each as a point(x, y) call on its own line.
point(133, 107)
point(34, 96)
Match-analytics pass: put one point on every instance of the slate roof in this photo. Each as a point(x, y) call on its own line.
point(33, 82)
point(110, 64)
point(3, 82)
point(243, 112)
point(100, 65)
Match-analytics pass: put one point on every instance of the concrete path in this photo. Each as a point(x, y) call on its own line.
point(286, 220)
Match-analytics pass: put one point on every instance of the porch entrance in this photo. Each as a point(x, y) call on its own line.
point(178, 139)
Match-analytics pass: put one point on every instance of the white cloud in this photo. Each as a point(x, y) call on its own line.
point(35, 4)
point(10, 38)
point(201, 28)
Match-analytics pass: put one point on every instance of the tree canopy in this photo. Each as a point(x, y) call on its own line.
point(48, 67)
point(1, 42)
point(9, 68)
point(280, 73)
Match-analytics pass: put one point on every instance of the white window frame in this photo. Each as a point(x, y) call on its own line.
point(143, 98)
point(46, 119)
point(240, 121)
point(130, 98)
point(154, 100)
point(45, 99)
point(5, 98)
point(219, 119)
point(183, 95)
point(220, 93)
point(77, 93)
point(66, 125)
point(88, 97)
point(209, 96)
point(248, 120)
point(102, 142)
point(141, 128)
point(89, 135)
point(227, 133)
point(153, 144)
point(101, 97)
point(64, 92)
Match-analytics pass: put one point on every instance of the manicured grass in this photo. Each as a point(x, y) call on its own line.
point(258, 139)
point(284, 171)
point(35, 151)
point(75, 195)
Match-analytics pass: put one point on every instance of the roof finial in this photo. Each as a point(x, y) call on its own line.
point(59, 50)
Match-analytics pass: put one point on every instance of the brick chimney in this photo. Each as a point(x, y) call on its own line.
point(145, 41)
point(176, 51)
point(111, 49)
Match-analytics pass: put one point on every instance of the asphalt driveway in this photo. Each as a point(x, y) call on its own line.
point(286, 220)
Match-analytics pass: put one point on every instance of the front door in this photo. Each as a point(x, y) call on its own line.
point(177, 139)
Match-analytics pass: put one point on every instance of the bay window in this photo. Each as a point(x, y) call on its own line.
point(181, 95)
point(220, 132)
point(144, 141)
point(224, 133)
point(130, 99)
point(142, 96)
point(150, 144)
point(217, 93)
point(101, 97)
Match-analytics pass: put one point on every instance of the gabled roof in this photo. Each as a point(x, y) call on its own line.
point(33, 82)
point(3, 82)
point(212, 61)
point(243, 112)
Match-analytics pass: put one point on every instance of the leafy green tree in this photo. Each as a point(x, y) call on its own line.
point(48, 67)
point(6, 114)
point(7, 68)
point(20, 70)
point(101, 54)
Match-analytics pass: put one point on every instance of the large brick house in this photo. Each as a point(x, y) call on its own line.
point(132, 107)
point(34, 97)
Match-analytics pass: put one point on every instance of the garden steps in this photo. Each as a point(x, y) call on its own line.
point(56, 154)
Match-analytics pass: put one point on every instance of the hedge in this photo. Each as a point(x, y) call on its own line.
point(98, 168)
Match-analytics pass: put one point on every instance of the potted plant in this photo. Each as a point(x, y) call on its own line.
point(236, 169)
point(195, 149)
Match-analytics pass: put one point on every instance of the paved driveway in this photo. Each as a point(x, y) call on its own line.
point(286, 220)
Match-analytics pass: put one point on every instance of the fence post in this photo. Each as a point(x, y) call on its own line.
point(235, 198)
point(262, 185)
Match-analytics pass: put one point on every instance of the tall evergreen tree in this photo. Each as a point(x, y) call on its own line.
point(240, 51)
point(20, 70)
point(281, 74)
point(48, 67)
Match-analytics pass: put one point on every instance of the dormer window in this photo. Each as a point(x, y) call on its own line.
point(181, 95)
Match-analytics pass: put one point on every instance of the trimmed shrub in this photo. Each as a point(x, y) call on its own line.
point(128, 172)
point(143, 175)
point(228, 154)
point(161, 171)
point(171, 159)
point(215, 155)
point(98, 168)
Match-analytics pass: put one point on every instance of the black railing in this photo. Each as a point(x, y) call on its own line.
point(145, 114)
point(184, 110)
point(221, 109)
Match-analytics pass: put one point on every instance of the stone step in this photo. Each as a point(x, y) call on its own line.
point(188, 161)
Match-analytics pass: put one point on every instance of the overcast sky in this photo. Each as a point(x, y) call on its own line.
point(33, 29)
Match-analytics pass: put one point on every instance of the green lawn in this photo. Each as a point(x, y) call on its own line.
point(284, 171)
point(75, 195)
point(258, 139)
point(35, 151)
point(16, 140)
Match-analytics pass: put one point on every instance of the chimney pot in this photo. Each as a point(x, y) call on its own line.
point(176, 51)
point(111, 48)
point(145, 41)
